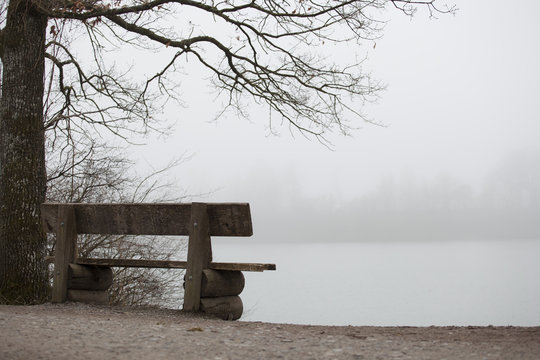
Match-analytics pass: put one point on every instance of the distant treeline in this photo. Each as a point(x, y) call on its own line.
point(353, 224)
point(507, 206)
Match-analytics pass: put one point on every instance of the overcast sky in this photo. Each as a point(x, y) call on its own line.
point(462, 94)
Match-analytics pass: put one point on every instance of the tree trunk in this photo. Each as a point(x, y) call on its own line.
point(23, 272)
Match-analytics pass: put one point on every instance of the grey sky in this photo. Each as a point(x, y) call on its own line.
point(462, 94)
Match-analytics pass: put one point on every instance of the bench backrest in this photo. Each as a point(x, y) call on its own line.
point(224, 219)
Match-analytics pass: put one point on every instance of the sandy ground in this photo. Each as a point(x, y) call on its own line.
point(78, 331)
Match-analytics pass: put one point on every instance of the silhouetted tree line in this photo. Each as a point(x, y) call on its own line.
point(506, 206)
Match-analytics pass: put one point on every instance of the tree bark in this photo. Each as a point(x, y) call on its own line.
point(23, 272)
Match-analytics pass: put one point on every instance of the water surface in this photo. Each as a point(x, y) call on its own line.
point(390, 284)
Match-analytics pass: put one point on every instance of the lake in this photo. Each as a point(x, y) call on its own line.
point(390, 284)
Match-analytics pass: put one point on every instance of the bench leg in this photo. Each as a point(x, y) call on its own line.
point(65, 252)
point(199, 256)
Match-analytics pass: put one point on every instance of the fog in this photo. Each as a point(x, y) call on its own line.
point(456, 155)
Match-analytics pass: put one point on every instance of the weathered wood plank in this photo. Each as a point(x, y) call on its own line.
point(89, 277)
point(226, 307)
point(225, 219)
point(164, 264)
point(242, 266)
point(65, 251)
point(199, 255)
point(170, 264)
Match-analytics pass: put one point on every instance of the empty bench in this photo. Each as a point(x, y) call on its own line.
point(209, 286)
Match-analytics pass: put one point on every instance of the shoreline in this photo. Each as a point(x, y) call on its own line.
point(67, 331)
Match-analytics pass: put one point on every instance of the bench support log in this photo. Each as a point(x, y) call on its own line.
point(226, 307)
point(89, 296)
point(89, 277)
point(216, 283)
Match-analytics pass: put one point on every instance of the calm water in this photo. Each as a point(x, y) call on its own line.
point(416, 284)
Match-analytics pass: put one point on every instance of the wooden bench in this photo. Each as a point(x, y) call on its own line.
point(209, 286)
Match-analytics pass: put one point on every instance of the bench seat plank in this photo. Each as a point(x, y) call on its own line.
point(172, 264)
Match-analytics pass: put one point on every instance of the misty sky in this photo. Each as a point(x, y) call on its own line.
point(462, 97)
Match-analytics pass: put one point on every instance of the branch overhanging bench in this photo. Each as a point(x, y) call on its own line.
point(210, 287)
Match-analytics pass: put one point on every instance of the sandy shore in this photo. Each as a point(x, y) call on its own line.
point(78, 331)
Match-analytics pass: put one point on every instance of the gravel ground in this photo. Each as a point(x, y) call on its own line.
point(78, 331)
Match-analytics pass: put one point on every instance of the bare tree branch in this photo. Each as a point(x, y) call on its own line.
point(266, 50)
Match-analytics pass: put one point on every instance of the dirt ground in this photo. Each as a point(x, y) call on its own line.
point(78, 331)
